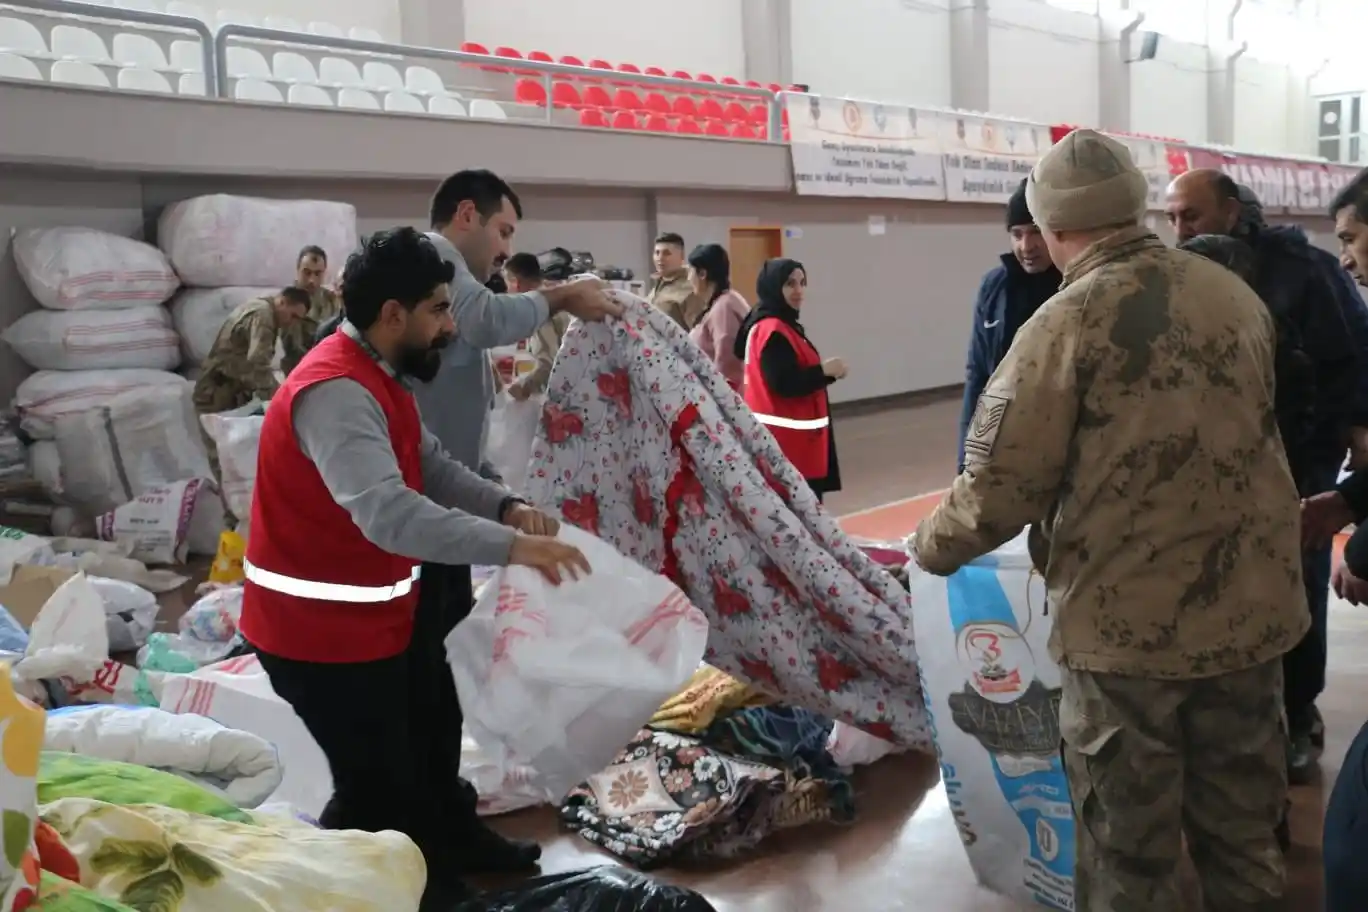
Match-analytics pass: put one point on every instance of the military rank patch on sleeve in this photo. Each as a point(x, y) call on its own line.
point(983, 430)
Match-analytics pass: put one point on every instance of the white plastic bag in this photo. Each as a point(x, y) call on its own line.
point(199, 314)
point(95, 339)
point(982, 637)
point(69, 636)
point(130, 612)
point(45, 465)
point(156, 524)
point(220, 240)
point(85, 269)
point(850, 746)
point(47, 395)
point(512, 431)
point(19, 547)
point(557, 678)
point(134, 443)
point(501, 792)
point(237, 439)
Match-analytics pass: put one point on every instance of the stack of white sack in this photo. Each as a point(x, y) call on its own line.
point(109, 417)
point(14, 457)
point(232, 249)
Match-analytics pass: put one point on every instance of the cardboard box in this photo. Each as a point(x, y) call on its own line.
point(29, 589)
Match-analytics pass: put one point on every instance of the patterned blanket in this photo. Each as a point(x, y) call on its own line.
point(644, 444)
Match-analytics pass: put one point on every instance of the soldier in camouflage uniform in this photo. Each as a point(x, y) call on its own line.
point(323, 306)
point(239, 366)
point(1132, 426)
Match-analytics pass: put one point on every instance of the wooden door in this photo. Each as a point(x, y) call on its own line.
point(749, 248)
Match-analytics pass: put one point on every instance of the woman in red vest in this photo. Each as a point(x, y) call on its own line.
point(352, 496)
point(786, 379)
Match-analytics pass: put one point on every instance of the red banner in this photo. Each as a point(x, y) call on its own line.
point(1286, 185)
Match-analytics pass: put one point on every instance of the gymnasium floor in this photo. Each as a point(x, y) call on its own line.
point(903, 853)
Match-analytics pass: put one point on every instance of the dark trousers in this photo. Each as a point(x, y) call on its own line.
point(1345, 840)
point(1304, 665)
point(391, 729)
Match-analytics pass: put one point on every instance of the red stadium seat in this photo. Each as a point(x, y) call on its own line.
point(709, 108)
point(592, 117)
point(474, 47)
point(571, 60)
point(759, 114)
point(688, 127)
point(629, 68)
point(598, 64)
point(743, 131)
point(596, 96)
point(540, 57)
point(731, 82)
point(658, 124)
point(752, 84)
point(735, 112)
point(682, 74)
point(717, 128)
point(656, 71)
point(775, 87)
point(624, 120)
point(565, 95)
point(658, 104)
point(529, 92)
point(626, 100)
point(708, 78)
point(683, 106)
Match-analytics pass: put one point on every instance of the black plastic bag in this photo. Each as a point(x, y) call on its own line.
point(606, 889)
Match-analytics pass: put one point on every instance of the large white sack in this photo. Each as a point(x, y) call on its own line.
point(221, 240)
point(134, 443)
point(158, 526)
point(45, 396)
point(199, 314)
point(69, 340)
point(45, 465)
point(237, 439)
point(993, 692)
point(85, 269)
point(512, 431)
point(555, 680)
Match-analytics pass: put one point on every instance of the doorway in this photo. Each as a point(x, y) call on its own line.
point(749, 248)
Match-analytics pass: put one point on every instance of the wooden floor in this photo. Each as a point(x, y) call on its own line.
point(903, 853)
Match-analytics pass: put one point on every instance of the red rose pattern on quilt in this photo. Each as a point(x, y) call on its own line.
point(644, 444)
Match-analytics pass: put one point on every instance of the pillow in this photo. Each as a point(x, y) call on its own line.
point(63, 775)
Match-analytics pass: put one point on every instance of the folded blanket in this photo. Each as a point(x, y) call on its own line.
point(153, 857)
point(710, 693)
point(244, 766)
point(644, 444)
point(62, 775)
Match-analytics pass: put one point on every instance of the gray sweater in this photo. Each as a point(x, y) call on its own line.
point(455, 405)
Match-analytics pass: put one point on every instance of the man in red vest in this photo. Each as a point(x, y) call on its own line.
point(352, 495)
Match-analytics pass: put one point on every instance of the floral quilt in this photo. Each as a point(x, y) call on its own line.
point(643, 444)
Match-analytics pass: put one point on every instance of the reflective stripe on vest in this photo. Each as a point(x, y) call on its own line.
point(328, 592)
point(793, 424)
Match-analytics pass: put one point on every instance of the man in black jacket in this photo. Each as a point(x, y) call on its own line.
point(1007, 297)
point(1317, 312)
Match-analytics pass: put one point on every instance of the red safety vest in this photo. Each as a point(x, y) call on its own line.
point(802, 426)
point(316, 589)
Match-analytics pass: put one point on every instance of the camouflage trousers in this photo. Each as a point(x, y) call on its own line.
point(1150, 761)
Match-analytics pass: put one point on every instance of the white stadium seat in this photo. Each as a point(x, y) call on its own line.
point(357, 98)
point(187, 57)
point(283, 24)
point(134, 50)
point(138, 79)
point(79, 72)
point(382, 76)
point(146, 6)
point(290, 66)
point(20, 37)
point(192, 84)
point(257, 90)
point(364, 34)
point(12, 66)
point(487, 110)
point(235, 17)
point(423, 81)
point(312, 95)
point(247, 63)
point(71, 42)
point(446, 106)
point(335, 71)
point(404, 103)
point(326, 30)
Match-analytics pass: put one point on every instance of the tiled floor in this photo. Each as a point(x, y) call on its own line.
point(904, 853)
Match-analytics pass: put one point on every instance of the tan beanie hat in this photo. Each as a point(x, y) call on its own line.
point(1086, 181)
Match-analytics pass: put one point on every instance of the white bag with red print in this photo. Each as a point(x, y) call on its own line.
point(558, 678)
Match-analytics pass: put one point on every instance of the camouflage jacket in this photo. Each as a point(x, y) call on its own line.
point(299, 338)
point(675, 296)
point(239, 366)
point(1132, 422)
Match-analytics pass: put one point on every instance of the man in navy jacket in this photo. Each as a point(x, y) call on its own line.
point(1009, 295)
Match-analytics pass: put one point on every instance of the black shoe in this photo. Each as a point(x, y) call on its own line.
point(1317, 729)
point(483, 851)
point(1284, 834)
point(1301, 759)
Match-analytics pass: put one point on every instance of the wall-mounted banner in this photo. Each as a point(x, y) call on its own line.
point(856, 149)
point(985, 159)
point(1155, 160)
point(1297, 187)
